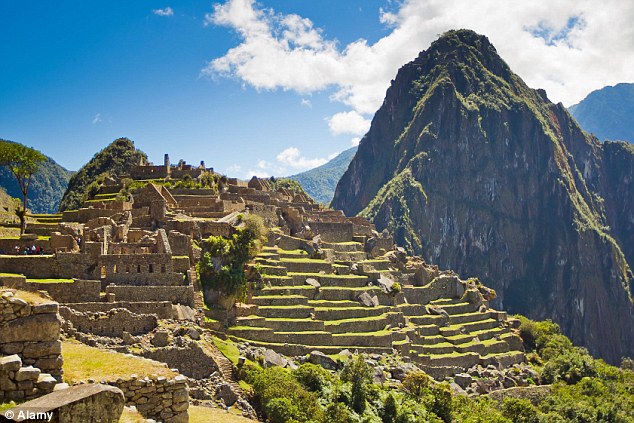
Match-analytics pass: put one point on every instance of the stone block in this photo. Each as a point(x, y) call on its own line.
point(42, 349)
point(81, 403)
point(27, 373)
point(37, 327)
point(10, 363)
point(46, 308)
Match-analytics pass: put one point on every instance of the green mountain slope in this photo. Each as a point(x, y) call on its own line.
point(608, 113)
point(117, 158)
point(320, 182)
point(477, 172)
point(47, 186)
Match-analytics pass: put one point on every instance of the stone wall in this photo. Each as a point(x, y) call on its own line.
point(63, 292)
point(174, 294)
point(18, 383)
point(190, 360)
point(333, 231)
point(162, 309)
point(32, 332)
point(111, 323)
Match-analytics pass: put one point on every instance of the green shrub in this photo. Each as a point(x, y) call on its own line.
point(570, 367)
point(416, 384)
point(520, 410)
point(312, 377)
point(360, 375)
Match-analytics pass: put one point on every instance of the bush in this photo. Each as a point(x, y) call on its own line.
point(570, 367)
point(273, 385)
point(520, 410)
point(312, 377)
point(360, 374)
point(416, 384)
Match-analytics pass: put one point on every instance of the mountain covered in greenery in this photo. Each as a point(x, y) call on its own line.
point(477, 172)
point(117, 158)
point(320, 182)
point(608, 113)
point(47, 186)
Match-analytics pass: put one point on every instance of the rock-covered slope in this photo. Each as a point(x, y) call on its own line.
point(117, 158)
point(477, 172)
point(607, 113)
point(47, 186)
point(320, 182)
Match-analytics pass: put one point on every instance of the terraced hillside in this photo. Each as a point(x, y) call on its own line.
point(344, 301)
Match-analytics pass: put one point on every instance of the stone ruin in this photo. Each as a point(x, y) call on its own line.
point(123, 269)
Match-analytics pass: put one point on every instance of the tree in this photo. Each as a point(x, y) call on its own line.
point(23, 162)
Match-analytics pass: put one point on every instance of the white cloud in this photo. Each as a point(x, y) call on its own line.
point(348, 123)
point(355, 141)
point(568, 47)
point(164, 12)
point(292, 158)
point(306, 103)
point(97, 119)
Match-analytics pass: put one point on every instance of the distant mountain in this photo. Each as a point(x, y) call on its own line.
point(608, 113)
point(320, 182)
point(475, 171)
point(117, 158)
point(47, 186)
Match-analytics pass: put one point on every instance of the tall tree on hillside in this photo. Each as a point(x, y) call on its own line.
point(23, 162)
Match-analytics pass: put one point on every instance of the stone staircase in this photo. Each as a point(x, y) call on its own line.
point(305, 304)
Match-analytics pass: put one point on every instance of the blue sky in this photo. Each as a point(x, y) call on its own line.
point(273, 87)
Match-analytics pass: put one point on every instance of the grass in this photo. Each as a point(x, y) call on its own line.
point(356, 319)
point(82, 362)
point(200, 414)
point(301, 260)
point(51, 280)
point(10, 274)
point(129, 416)
point(326, 275)
point(228, 349)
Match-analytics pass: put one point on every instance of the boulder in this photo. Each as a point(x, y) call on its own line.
point(271, 358)
point(80, 403)
point(367, 300)
point(226, 394)
point(313, 282)
point(463, 380)
point(318, 357)
point(385, 282)
point(193, 334)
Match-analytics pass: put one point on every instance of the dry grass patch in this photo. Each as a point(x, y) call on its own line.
point(199, 414)
point(28, 296)
point(82, 362)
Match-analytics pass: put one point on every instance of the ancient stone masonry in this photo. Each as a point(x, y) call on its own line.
point(31, 333)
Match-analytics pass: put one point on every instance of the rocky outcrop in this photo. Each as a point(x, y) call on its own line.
point(476, 172)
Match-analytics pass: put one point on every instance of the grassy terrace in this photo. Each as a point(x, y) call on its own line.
point(357, 319)
point(302, 260)
point(51, 280)
point(329, 275)
point(82, 362)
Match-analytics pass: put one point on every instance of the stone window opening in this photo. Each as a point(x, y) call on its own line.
point(162, 268)
point(138, 268)
point(127, 269)
point(151, 268)
point(103, 272)
point(115, 269)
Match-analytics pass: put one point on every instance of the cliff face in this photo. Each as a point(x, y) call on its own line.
point(477, 172)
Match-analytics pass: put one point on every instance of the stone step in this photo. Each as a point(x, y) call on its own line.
point(251, 332)
point(503, 359)
point(338, 293)
point(368, 324)
point(268, 255)
point(290, 349)
point(326, 303)
point(290, 325)
point(303, 337)
point(341, 269)
point(306, 265)
point(292, 253)
point(251, 321)
point(463, 328)
point(426, 330)
point(332, 280)
point(459, 307)
point(461, 360)
point(279, 300)
point(349, 256)
point(377, 264)
point(340, 313)
point(440, 348)
point(273, 270)
point(412, 309)
point(482, 335)
point(267, 262)
point(468, 317)
point(428, 319)
point(343, 246)
point(277, 280)
point(364, 339)
point(291, 312)
point(304, 291)
point(430, 340)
